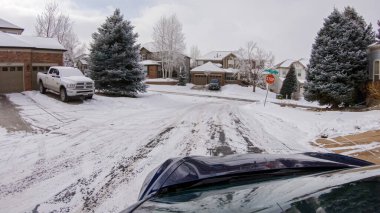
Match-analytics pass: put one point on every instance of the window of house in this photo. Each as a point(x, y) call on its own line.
point(230, 77)
point(35, 68)
point(143, 56)
point(145, 69)
point(299, 73)
point(4, 69)
point(376, 70)
point(12, 69)
point(20, 69)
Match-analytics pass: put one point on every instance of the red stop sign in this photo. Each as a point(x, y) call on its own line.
point(269, 79)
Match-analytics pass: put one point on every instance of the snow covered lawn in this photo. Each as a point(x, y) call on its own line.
point(231, 91)
point(94, 155)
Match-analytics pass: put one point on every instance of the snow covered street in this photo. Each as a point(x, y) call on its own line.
point(94, 155)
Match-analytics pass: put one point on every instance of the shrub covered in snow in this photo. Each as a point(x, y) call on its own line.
point(290, 84)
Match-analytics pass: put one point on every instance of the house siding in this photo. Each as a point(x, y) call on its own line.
point(373, 55)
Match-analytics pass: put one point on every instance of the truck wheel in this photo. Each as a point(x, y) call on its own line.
point(89, 97)
point(63, 95)
point(42, 88)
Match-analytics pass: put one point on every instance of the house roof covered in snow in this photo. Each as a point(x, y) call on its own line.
point(374, 45)
point(149, 62)
point(83, 61)
point(208, 67)
point(288, 62)
point(32, 42)
point(7, 25)
point(150, 47)
point(216, 55)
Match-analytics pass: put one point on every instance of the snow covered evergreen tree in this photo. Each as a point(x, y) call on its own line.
point(114, 58)
point(290, 83)
point(337, 71)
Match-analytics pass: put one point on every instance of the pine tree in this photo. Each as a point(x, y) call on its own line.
point(290, 84)
point(114, 58)
point(337, 71)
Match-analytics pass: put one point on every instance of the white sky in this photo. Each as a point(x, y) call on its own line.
point(285, 27)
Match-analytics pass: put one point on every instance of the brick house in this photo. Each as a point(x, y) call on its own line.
point(22, 57)
point(150, 59)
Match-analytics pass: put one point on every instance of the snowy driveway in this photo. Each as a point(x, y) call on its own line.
point(94, 156)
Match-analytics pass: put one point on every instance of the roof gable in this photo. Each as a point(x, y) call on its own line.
point(288, 62)
point(208, 67)
point(8, 25)
point(216, 55)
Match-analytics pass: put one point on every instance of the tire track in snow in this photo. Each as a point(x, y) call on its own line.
point(121, 173)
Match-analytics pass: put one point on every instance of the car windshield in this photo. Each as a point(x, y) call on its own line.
point(214, 81)
point(274, 195)
point(67, 72)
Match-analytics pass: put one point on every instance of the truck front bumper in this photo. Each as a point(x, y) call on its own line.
point(84, 92)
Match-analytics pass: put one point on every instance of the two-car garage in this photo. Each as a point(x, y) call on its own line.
point(22, 57)
point(203, 74)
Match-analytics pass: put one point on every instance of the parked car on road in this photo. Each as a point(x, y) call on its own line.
point(308, 182)
point(214, 84)
point(66, 82)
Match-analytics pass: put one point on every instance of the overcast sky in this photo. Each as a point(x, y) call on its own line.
point(285, 27)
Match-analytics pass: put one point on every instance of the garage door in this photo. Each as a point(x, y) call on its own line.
point(199, 79)
point(35, 70)
point(219, 77)
point(11, 79)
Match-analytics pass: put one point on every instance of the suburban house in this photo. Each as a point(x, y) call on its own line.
point(374, 62)
point(227, 59)
point(150, 59)
point(22, 57)
point(7, 27)
point(203, 74)
point(82, 62)
point(222, 65)
point(283, 69)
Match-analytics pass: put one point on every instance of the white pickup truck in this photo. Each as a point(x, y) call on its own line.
point(66, 82)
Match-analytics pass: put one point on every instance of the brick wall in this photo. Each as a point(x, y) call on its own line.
point(27, 57)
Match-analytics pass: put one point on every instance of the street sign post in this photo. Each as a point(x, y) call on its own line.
point(270, 79)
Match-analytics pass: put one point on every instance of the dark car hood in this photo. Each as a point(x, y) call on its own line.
point(194, 168)
point(349, 190)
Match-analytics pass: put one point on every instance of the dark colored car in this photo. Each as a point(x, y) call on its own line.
point(308, 182)
point(214, 84)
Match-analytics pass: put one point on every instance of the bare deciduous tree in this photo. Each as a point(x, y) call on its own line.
point(169, 41)
point(194, 54)
point(252, 62)
point(52, 23)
